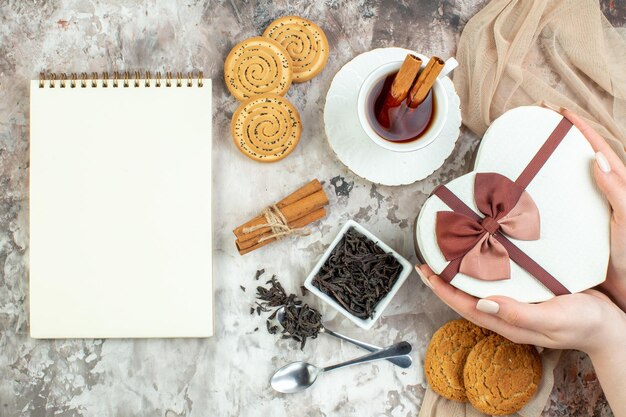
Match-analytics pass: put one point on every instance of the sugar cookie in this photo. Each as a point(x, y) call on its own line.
point(266, 128)
point(305, 42)
point(257, 66)
point(501, 376)
point(446, 354)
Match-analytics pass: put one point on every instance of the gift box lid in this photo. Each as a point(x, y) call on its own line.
point(573, 241)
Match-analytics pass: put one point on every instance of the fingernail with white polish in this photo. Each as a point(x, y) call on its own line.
point(602, 162)
point(487, 306)
point(423, 277)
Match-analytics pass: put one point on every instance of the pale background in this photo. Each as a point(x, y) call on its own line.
point(227, 374)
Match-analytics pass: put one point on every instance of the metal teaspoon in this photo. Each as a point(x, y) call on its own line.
point(401, 361)
point(298, 376)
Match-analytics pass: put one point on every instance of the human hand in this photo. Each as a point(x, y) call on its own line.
point(584, 321)
point(577, 321)
point(588, 321)
point(610, 174)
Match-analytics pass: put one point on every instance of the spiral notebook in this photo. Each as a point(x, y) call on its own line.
point(120, 206)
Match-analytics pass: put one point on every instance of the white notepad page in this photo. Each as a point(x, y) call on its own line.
point(120, 211)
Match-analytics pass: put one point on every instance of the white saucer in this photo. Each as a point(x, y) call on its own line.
point(351, 144)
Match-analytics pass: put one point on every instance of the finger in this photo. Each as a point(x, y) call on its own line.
point(598, 143)
point(458, 300)
point(426, 270)
point(613, 187)
point(465, 305)
point(513, 312)
point(528, 316)
point(609, 171)
point(424, 275)
point(598, 294)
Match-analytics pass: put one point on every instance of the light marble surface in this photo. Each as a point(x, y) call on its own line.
point(227, 375)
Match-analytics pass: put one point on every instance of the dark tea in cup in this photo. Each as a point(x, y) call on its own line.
point(401, 123)
point(402, 106)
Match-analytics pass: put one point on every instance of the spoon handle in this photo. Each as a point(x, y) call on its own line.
point(399, 349)
point(404, 361)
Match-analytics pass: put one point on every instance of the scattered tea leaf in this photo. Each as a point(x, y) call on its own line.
point(301, 321)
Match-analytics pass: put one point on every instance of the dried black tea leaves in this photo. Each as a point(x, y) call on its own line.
point(301, 322)
point(358, 274)
point(271, 329)
point(274, 296)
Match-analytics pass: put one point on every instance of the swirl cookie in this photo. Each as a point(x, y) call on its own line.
point(266, 128)
point(501, 376)
point(305, 42)
point(257, 66)
point(446, 354)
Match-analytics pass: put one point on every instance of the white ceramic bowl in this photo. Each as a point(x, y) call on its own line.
point(382, 304)
point(441, 109)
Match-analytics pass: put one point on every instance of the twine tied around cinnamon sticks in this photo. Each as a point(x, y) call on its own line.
point(289, 216)
point(278, 223)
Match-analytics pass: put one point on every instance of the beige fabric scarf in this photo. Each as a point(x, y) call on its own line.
point(563, 52)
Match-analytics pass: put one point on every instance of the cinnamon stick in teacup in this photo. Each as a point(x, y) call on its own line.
point(403, 81)
point(400, 87)
point(425, 81)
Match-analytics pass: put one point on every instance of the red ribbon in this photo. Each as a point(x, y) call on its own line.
point(507, 208)
point(477, 246)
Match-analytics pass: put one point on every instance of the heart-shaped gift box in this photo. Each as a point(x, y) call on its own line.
point(528, 222)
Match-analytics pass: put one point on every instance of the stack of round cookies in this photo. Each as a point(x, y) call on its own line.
point(466, 362)
point(258, 71)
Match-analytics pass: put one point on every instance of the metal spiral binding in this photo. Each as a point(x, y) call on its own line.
point(119, 79)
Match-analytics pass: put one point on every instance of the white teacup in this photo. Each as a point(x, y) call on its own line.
point(440, 110)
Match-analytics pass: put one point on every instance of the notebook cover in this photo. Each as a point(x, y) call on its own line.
point(120, 211)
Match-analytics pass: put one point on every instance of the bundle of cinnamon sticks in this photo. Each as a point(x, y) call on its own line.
point(410, 84)
point(298, 209)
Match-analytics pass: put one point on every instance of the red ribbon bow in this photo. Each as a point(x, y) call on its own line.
point(508, 209)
